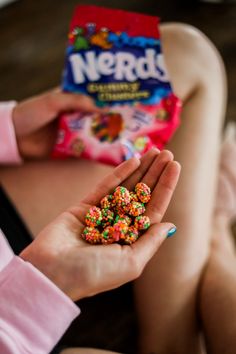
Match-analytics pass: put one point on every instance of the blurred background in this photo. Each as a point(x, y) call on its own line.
point(33, 38)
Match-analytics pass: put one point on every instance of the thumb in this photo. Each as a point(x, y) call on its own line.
point(148, 244)
point(37, 112)
point(73, 102)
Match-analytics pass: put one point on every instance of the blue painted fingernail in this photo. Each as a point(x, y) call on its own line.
point(172, 231)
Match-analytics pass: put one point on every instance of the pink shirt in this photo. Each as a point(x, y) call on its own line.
point(34, 313)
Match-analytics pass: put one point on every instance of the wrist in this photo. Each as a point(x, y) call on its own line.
point(49, 266)
point(41, 261)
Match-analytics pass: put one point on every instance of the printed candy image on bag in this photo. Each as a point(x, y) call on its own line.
point(115, 57)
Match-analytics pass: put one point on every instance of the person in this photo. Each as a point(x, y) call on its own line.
point(168, 322)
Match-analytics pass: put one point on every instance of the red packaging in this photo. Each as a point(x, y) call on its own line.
point(115, 57)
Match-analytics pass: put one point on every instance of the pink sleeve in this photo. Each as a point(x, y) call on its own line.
point(6, 254)
point(34, 313)
point(9, 153)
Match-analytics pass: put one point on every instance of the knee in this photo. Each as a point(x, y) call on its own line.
point(191, 55)
point(193, 44)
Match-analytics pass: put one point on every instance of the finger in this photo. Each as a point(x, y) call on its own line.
point(153, 174)
point(163, 192)
point(112, 180)
point(73, 102)
point(148, 244)
point(145, 163)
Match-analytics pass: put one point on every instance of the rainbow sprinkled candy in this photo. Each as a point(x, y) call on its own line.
point(136, 208)
point(107, 217)
point(107, 235)
point(122, 210)
point(121, 196)
point(106, 202)
point(131, 236)
point(125, 218)
point(143, 192)
point(91, 235)
point(142, 222)
point(133, 197)
point(120, 230)
point(120, 218)
point(93, 217)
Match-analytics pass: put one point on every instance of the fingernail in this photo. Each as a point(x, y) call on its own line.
point(172, 231)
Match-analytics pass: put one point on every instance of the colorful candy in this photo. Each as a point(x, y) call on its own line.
point(143, 192)
point(106, 202)
point(107, 217)
point(120, 230)
point(122, 210)
point(93, 217)
point(133, 197)
point(125, 218)
point(121, 196)
point(136, 208)
point(131, 236)
point(142, 222)
point(91, 235)
point(120, 218)
point(107, 236)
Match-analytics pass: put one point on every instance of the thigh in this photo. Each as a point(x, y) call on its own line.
point(42, 190)
point(198, 77)
point(166, 293)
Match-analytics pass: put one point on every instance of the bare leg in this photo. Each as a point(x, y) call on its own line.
point(166, 292)
point(217, 295)
point(42, 190)
point(218, 285)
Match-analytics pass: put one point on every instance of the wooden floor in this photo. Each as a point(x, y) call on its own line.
point(32, 41)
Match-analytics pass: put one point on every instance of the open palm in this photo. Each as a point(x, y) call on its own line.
point(81, 269)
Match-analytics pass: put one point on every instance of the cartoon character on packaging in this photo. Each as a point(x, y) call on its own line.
point(78, 38)
point(101, 39)
point(107, 127)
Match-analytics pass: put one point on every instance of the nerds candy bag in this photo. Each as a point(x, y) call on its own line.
point(115, 57)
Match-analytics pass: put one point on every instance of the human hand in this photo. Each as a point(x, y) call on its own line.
point(35, 120)
point(80, 269)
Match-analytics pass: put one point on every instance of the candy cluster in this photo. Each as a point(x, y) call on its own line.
point(119, 218)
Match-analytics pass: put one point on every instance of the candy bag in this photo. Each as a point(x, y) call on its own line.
point(115, 57)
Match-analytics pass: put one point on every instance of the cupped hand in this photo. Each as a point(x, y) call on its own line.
point(80, 269)
point(35, 120)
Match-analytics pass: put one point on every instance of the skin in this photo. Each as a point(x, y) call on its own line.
point(217, 292)
point(35, 123)
point(70, 262)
